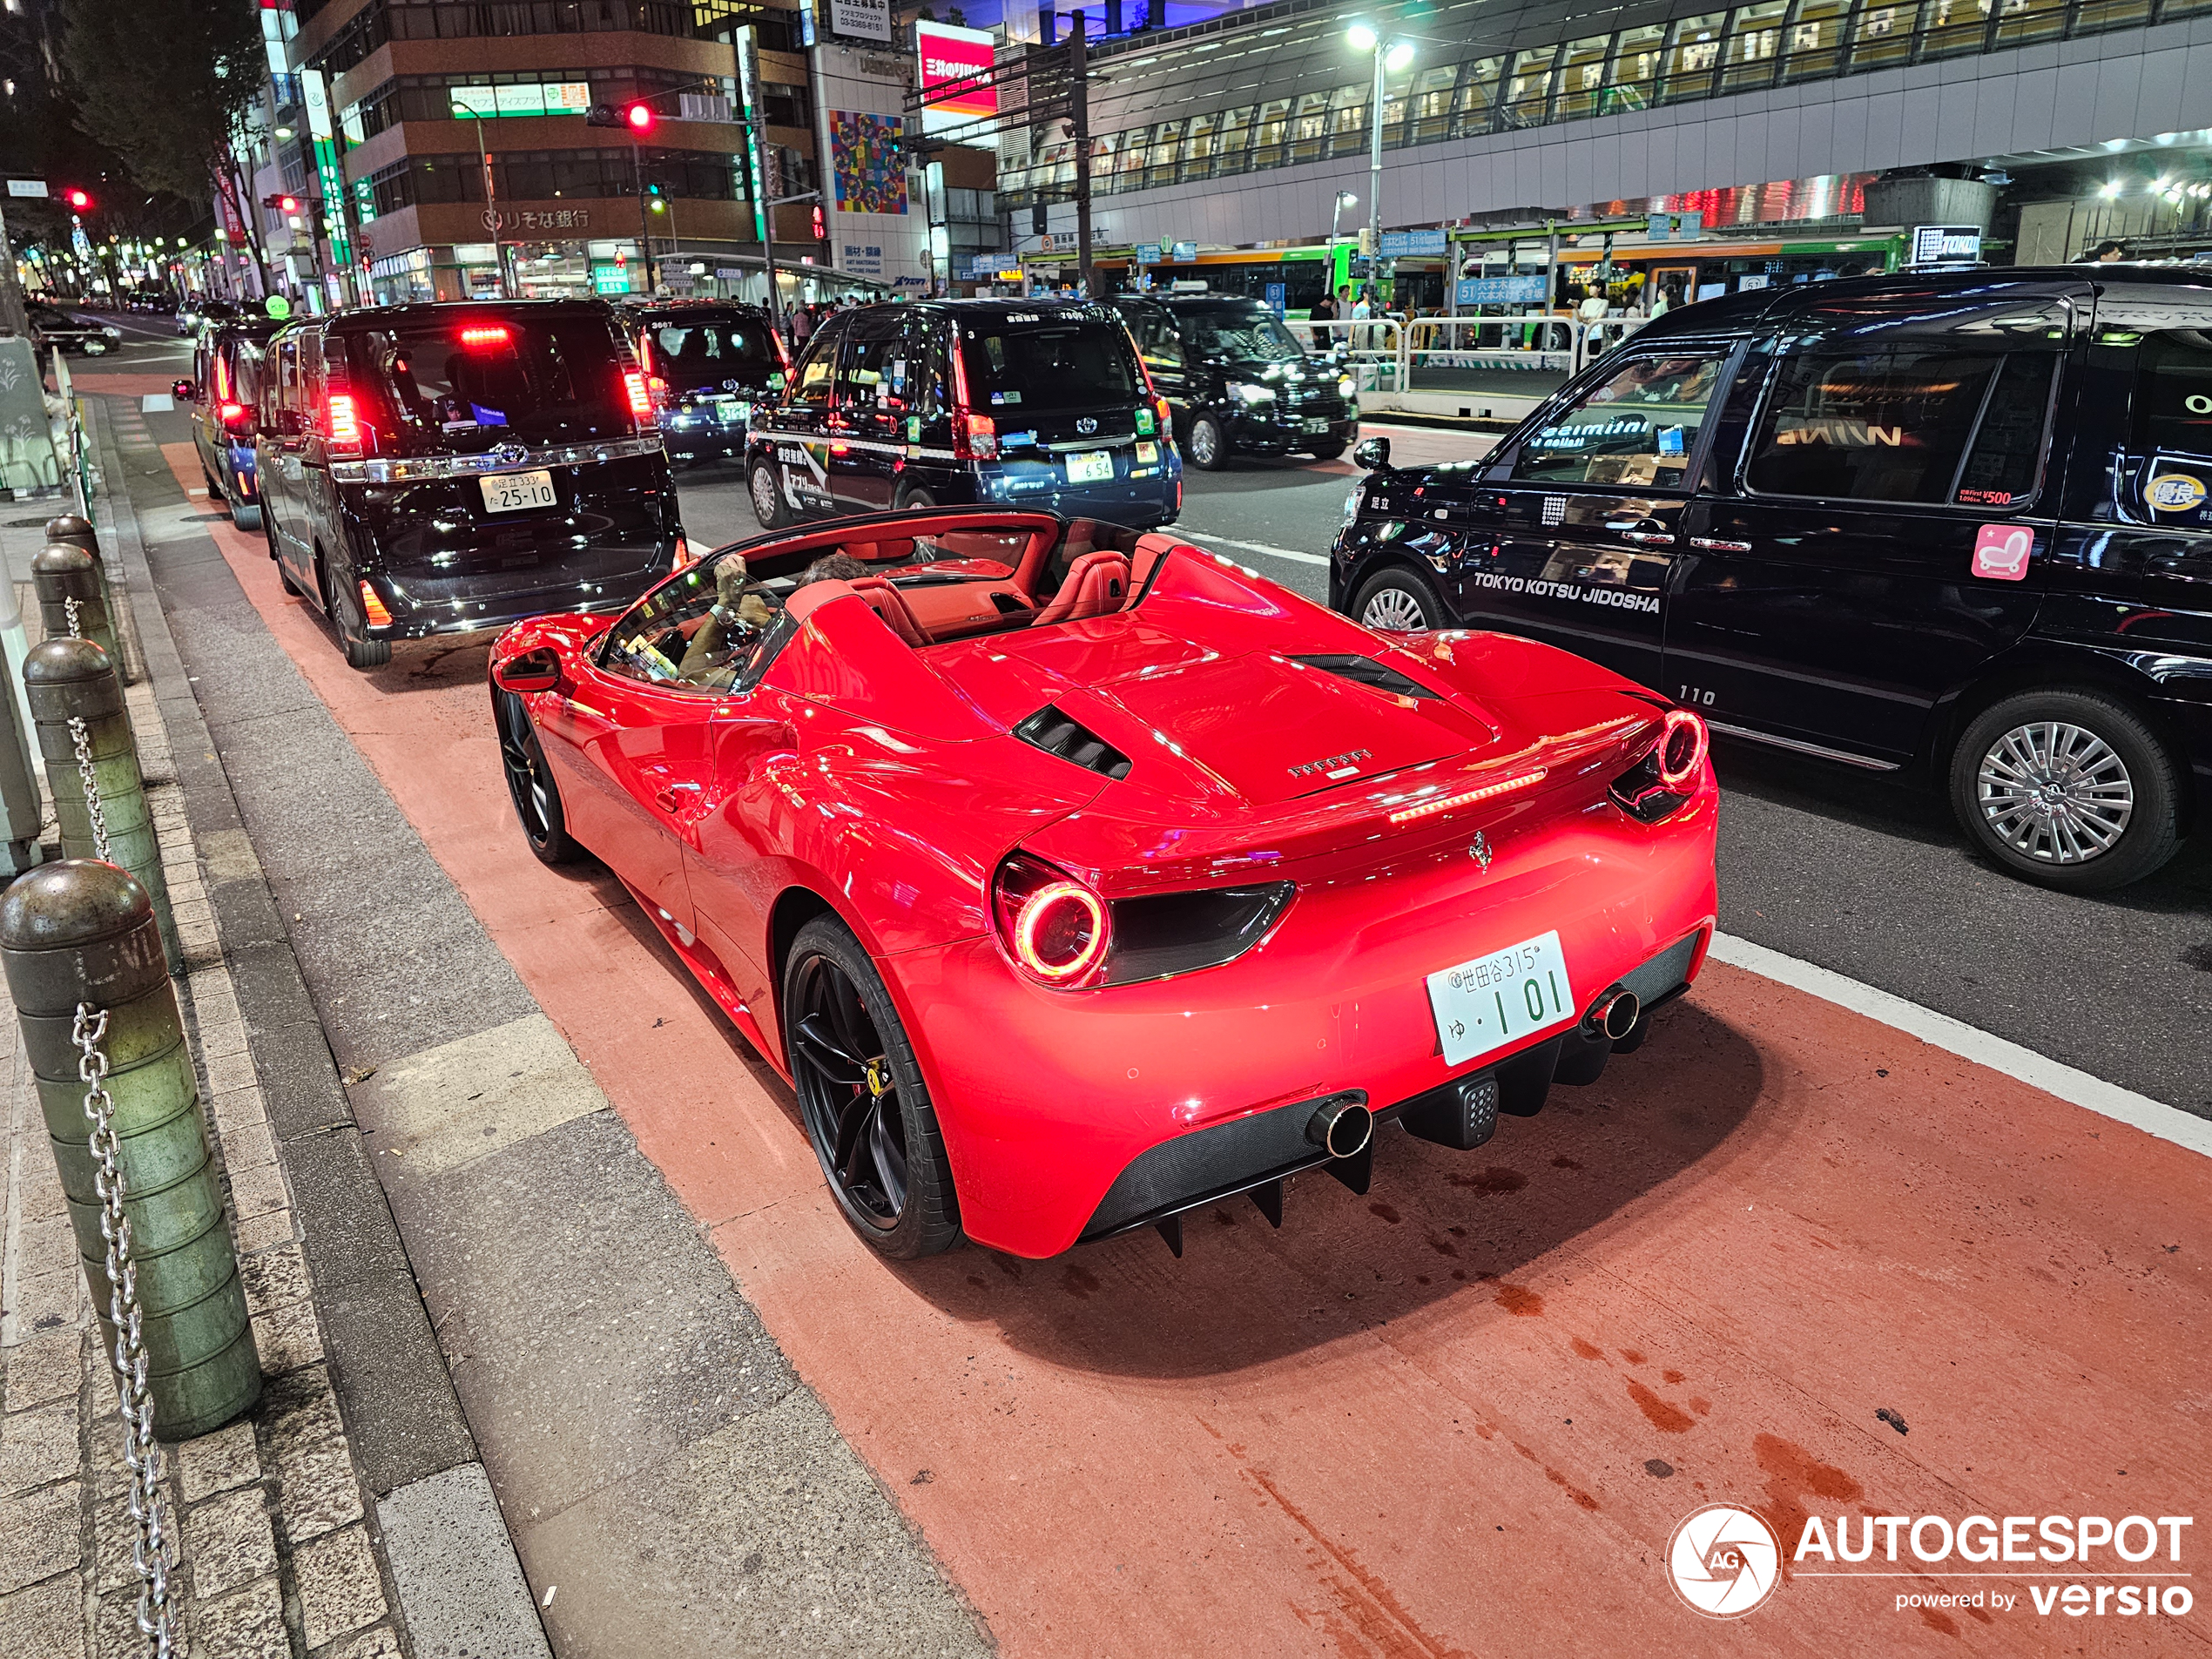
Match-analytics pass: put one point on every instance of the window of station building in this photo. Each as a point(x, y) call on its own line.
point(1883, 35)
point(1432, 111)
point(1693, 53)
point(1476, 111)
point(1529, 86)
point(1815, 36)
point(2093, 15)
point(1950, 27)
point(1268, 124)
point(1230, 139)
point(1754, 44)
point(1348, 120)
point(1581, 77)
point(2021, 23)
point(1309, 126)
point(1166, 150)
point(1198, 147)
point(1638, 55)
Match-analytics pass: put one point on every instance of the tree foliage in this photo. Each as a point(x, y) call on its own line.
point(163, 82)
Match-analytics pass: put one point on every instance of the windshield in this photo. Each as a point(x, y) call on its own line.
point(1051, 365)
point(693, 353)
point(471, 381)
point(1243, 336)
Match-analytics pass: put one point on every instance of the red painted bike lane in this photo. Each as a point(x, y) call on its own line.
point(1465, 1414)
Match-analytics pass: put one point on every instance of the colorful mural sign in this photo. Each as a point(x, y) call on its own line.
point(866, 159)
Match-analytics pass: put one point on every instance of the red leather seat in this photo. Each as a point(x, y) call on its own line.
point(890, 604)
point(1096, 583)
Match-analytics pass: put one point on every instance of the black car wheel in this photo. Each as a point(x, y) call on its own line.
point(1208, 447)
point(530, 782)
point(344, 612)
point(1397, 601)
point(1330, 450)
point(911, 498)
point(247, 517)
point(768, 497)
point(2069, 789)
point(861, 1095)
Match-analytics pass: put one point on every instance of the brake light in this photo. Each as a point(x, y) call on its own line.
point(641, 400)
point(341, 424)
point(1466, 797)
point(233, 417)
point(485, 337)
point(1682, 749)
point(1167, 419)
point(1055, 928)
point(783, 352)
point(372, 610)
point(222, 380)
point(976, 437)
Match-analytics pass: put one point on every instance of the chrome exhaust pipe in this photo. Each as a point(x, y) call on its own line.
point(1614, 1015)
point(1341, 1128)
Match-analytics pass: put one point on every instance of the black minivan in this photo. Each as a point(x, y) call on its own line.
point(1961, 521)
point(707, 362)
point(938, 404)
point(447, 468)
point(1238, 381)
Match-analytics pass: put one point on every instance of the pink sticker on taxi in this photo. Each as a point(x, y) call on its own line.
point(2001, 552)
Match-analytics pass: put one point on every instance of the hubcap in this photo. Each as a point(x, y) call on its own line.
point(1395, 610)
point(1204, 444)
point(2056, 792)
point(849, 1094)
point(763, 494)
point(525, 764)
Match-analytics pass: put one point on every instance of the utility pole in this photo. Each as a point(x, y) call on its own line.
point(1080, 124)
point(644, 221)
point(14, 317)
point(745, 46)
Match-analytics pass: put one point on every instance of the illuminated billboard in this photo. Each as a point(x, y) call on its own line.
point(948, 55)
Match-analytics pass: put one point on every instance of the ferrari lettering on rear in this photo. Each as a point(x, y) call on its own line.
point(1333, 766)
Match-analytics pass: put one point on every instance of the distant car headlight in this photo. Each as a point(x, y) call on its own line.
point(1255, 394)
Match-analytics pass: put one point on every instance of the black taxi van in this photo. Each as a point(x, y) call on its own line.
point(1961, 521)
point(220, 392)
point(706, 362)
point(938, 404)
point(1238, 380)
point(446, 468)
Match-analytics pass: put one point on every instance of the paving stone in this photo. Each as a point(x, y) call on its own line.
point(258, 1233)
point(247, 1623)
point(217, 1462)
point(289, 1338)
point(38, 1535)
point(44, 1621)
point(230, 1540)
point(453, 1569)
point(339, 1589)
point(115, 1540)
point(115, 1626)
point(45, 1368)
point(227, 1072)
point(49, 1301)
point(299, 1409)
point(37, 1445)
point(378, 1644)
point(256, 1192)
point(273, 1277)
point(319, 1490)
point(248, 1145)
point(222, 1037)
point(237, 1106)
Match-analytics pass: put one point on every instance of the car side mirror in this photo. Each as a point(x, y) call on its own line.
point(532, 671)
point(185, 390)
point(1373, 453)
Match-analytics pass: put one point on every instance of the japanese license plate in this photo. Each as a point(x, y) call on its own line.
point(516, 492)
point(1485, 1002)
point(733, 410)
point(1314, 423)
point(1090, 467)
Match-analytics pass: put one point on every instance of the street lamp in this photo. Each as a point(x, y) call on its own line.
point(1344, 199)
point(1391, 56)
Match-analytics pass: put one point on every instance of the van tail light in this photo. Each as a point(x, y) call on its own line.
point(235, 417)
point(1667, 778)
point(1166, 416)
point(783, 352)
point(222, 381)
point(1055, 928)
point(976, 437)
point(341, 422)
point(641, 398)
point(373, 611)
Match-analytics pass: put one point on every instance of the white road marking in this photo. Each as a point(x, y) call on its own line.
point(1252, 547)
point(1955, 1036)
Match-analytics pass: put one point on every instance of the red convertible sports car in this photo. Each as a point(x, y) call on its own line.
point(1076, 878)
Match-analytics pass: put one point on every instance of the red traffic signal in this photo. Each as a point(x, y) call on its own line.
point(821, 226)
point(79, 200)
point(640, 119)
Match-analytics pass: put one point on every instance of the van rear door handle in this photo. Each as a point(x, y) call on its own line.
point(1712, 545)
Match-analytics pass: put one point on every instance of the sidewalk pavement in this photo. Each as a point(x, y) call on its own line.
point(277, 1555)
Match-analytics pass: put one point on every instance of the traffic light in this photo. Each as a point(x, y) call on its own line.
point(282, 204)
point(640, 119)
point(79, 200)
point(637, 117)
point(821, 226)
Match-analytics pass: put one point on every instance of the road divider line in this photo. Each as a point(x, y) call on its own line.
point(1252, 547)
point(1970, 1042)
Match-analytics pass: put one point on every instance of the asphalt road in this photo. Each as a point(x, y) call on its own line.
point(1862, 874)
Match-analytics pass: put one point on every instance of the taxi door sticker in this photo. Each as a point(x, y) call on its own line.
point(2001, 552)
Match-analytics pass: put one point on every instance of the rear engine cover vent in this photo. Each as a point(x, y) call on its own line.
point(1365, 670)
point(1054, 732)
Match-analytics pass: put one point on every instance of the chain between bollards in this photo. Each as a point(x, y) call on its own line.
point(80, 737)
point(149, 1510)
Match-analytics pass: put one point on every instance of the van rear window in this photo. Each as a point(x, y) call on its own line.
point(471, 381)
point(705, 351)
point(1075, 365)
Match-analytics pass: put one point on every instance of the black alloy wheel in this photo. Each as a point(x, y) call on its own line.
point(1397, 601)
point(767, 492)
point(861, 1095)
point(530, 784)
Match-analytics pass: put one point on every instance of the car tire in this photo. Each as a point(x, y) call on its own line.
point(1397, 601)
point(1329, 451)
point(530, 783)
point(346, 616)
point(285, 581)
point(768, 493)
point(894, 1183)
point(910, 499)
point(246, 518)
point(1207, 447)
point(2113, 813)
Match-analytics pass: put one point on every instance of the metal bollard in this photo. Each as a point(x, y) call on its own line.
point(78, 532)
point(62, 573)
point(92, 768)
point(81, 933)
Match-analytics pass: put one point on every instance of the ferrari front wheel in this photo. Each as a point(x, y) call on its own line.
point(530, 782)
point(860, 1092)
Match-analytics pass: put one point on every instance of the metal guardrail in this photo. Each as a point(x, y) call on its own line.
point(1374, 347)
point(1477, 355)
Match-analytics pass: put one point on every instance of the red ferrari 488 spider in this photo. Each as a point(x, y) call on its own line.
point(1076, 878)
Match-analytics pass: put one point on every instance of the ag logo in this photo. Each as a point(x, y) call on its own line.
point(2176, 492)
point(1724, 1561)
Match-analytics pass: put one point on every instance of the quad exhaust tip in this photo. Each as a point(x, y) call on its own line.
point(1341, 1128)
point(1614, 1014)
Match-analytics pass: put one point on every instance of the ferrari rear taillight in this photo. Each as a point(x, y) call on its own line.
point(1666, 777)
point(1682, 749)
point(1056, 929)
